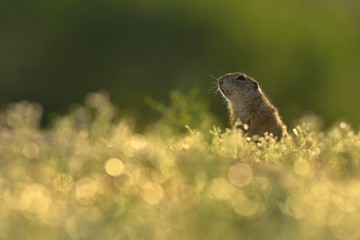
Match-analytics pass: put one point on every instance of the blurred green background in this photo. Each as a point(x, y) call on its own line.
point(305, 54)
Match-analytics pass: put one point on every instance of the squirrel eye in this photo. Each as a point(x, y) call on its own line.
point(241, 78)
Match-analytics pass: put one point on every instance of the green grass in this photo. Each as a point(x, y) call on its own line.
point(90, 176)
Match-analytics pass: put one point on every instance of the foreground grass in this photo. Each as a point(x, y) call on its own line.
point(90, 177)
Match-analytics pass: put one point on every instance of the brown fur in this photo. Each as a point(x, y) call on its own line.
point(249, 105)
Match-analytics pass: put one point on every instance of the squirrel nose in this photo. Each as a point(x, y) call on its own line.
point(221, 81)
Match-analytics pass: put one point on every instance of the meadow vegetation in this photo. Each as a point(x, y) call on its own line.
point(90, 175)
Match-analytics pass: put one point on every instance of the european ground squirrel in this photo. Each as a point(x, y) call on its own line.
point(249, 105)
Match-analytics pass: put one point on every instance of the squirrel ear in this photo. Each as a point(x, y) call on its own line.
point(256, 85)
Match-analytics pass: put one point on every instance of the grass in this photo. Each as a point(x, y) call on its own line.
point(90, 176)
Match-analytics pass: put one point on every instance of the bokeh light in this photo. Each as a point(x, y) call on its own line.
point(152, 193)
point(240, 174)
point(114, 167)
